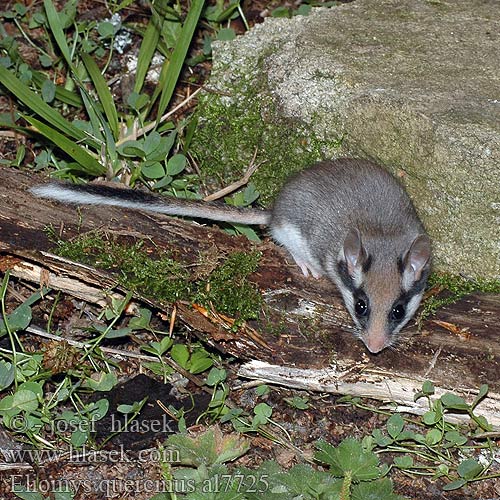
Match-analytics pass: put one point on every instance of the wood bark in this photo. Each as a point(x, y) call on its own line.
point(303, 326)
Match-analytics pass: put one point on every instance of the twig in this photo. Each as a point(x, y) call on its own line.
point(119, 352)
point(151, 126)
point(83, 345)
point(236, 185)
point(432, 364)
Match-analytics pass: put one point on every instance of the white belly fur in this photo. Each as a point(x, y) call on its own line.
point(292, 239)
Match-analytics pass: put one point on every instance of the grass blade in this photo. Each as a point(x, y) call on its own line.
point(147, 50)
point(88, 163)
point(57, 30)
point(40, 107)
point(179, 54)
point(104, 94)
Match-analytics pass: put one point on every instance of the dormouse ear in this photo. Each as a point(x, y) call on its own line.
point(354, 252)
point(418, 256)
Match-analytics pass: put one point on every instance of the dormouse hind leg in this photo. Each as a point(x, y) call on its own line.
point(290, 237)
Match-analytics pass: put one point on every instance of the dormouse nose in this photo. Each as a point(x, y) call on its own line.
point(375, 342)
point(375, 336)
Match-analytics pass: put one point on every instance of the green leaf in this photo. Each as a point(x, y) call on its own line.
point(104, 94)
point(105, 383)
point(151, 143)
point(153, 171)
point(406, 435)
point(469, 469)
point(137, 101)
point(20, 9)
point(303, 10)
point(454, 485)
point(176, 164)
point(35, 387)
point(263, 409)
point(250, 193)
point(159, 348)
point(17, 320)
point(79, 437)
point(208, 448)
point(215, 376)
point(483, 391)
point(162, 182)
point(48, 91)
point(64, 495)
point(395, 425)
point(98, 409)
point(142, 320)
point(301, 482)
point(452, 401)
point(161, 496)
point(22, 493)
point(89, 164)
point(433, 437)
point(483, 423)
point(135, 407)
point(231, 447)
point(132, 149)
point(455, 438)
point(297, 402)
point(200, 361)
point(281, 12)
point(158, 368)
point(441, 470)
point(7, 404)
point(428, 388)
point(166, 344)
point(262, 390)
point(381, 439)
point(105, 29)
point(118, 333)
point(162, 147)
point(262, 414)
point(232, 413)
point(226, 34)
point(25, 400)
point(45, 61)
point(374, 490)
point(349, 457)
point(404, 462)
point(180, 354)
point(98, 126)
point(221, 15)
point(246, 231)
point(430, 418)
point(7, 372)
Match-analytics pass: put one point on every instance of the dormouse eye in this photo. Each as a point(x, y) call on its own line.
point(361, 307)
point(398, 312)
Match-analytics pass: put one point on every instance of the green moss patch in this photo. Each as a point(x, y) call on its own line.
point(452, 288)
point(229, 288)
point(226, 288)
point(231, 130)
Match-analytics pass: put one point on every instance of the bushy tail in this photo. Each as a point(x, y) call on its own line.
point(93, 194)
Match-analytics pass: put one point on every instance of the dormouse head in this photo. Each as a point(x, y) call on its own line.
point(382, 283)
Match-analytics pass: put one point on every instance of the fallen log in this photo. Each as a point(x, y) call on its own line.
point(303, 325)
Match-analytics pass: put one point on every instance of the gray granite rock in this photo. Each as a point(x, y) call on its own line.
point(411, 84)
